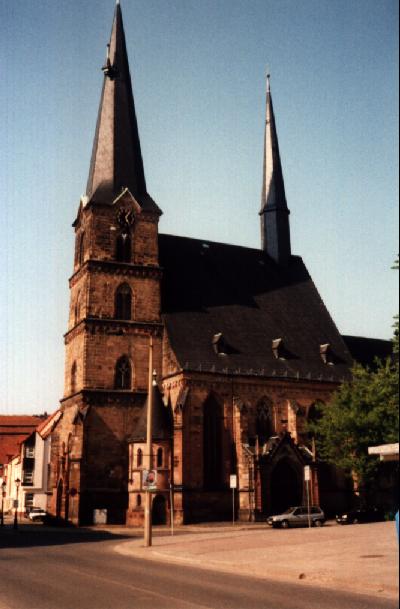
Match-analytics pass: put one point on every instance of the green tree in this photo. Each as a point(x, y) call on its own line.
point(363, 412)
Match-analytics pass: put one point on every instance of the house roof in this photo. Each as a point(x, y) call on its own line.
point(46, 427)
point(211, 289)
point(162, 421)
point(14, 429)
point(366, 350)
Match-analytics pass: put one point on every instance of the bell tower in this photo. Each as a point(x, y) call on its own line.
point(114, 308)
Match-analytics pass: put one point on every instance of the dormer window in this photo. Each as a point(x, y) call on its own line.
point(219, 344)
point(277, 348)
point(326, 354)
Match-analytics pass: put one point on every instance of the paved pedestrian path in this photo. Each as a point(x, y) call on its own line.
point(357, 558)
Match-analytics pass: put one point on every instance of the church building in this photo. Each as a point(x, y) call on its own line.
point(243, 347)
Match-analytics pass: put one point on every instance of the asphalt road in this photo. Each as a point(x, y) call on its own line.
point(80, 570)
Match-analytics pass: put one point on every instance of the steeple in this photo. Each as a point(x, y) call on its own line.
point(116, 161)
point(275, 231)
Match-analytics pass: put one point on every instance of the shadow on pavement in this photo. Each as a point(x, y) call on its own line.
point(29, 536)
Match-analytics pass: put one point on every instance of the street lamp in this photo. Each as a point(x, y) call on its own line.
point(3, 494)
point(17, 483)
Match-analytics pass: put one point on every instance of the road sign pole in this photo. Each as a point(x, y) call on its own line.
point(147, 508)
point(171, 495)
point(307, 477)
point(233, 485)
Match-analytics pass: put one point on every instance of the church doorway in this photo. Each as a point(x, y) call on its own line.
point(286, 487)
point(159, 510)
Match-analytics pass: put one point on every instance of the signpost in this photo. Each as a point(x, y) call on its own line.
point(151, 474)
point(307, 478)
point(171, 499)
point(233, 486)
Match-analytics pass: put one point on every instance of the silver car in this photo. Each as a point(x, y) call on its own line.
point(299, 516)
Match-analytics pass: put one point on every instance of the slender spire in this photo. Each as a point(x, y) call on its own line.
point(275, 232)
point(116, 157)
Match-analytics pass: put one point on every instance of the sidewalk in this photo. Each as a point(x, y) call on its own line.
point(356, 558)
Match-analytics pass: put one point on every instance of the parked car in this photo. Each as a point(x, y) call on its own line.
point(299, 516)
point(355, 516)
point(37, 513)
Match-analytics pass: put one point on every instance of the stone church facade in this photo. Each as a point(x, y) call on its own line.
point(243, 347)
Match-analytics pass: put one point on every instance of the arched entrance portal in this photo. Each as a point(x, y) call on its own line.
point(159, 510)
point(286, 487)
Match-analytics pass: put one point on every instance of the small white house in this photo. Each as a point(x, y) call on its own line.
point(27, 474)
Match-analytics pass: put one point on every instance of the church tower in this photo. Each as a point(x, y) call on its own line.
point(275, 231)
point(114, 308)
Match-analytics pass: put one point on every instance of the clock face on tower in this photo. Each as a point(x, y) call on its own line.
point(125, 217)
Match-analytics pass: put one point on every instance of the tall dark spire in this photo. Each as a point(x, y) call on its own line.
point(116, 157)
point(275, 231)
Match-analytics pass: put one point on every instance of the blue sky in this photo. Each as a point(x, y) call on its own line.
point(199, 83)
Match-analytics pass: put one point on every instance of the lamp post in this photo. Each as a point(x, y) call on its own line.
point(17, 483)
point(3, 494)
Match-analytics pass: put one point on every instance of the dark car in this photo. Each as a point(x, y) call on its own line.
point(355, 516)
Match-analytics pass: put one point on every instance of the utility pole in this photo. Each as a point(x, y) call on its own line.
point(149, 448)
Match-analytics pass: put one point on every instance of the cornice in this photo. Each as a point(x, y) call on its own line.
point(111, 267)
point(198, 378)
point(87, 395)
point(114, 327)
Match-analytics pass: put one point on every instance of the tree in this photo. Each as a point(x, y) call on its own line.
point(363, 412)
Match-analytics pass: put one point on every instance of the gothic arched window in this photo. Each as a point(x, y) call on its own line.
point(264, 423)
point(160, 457)
point(123, 302)
point(212, 444)
point(139, 457)
point(77, 308)
point(73, 377)
point(123, 374)
point(80, 250)
point(123, 247)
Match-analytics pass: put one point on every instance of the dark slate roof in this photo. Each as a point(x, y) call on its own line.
point(162, 421)
point(366, 350)
point(210, 288)
point(116, 161)
point(273, 190)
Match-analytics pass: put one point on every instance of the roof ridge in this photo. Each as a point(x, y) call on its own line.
point(208, 241)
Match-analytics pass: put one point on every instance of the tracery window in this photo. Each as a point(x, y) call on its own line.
point(212, 444)
point(264, 422)
point(80, 249)
point(77, 308)
point(73, 377)
point(123, 247)
point(123, 373)
point(123, 302)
